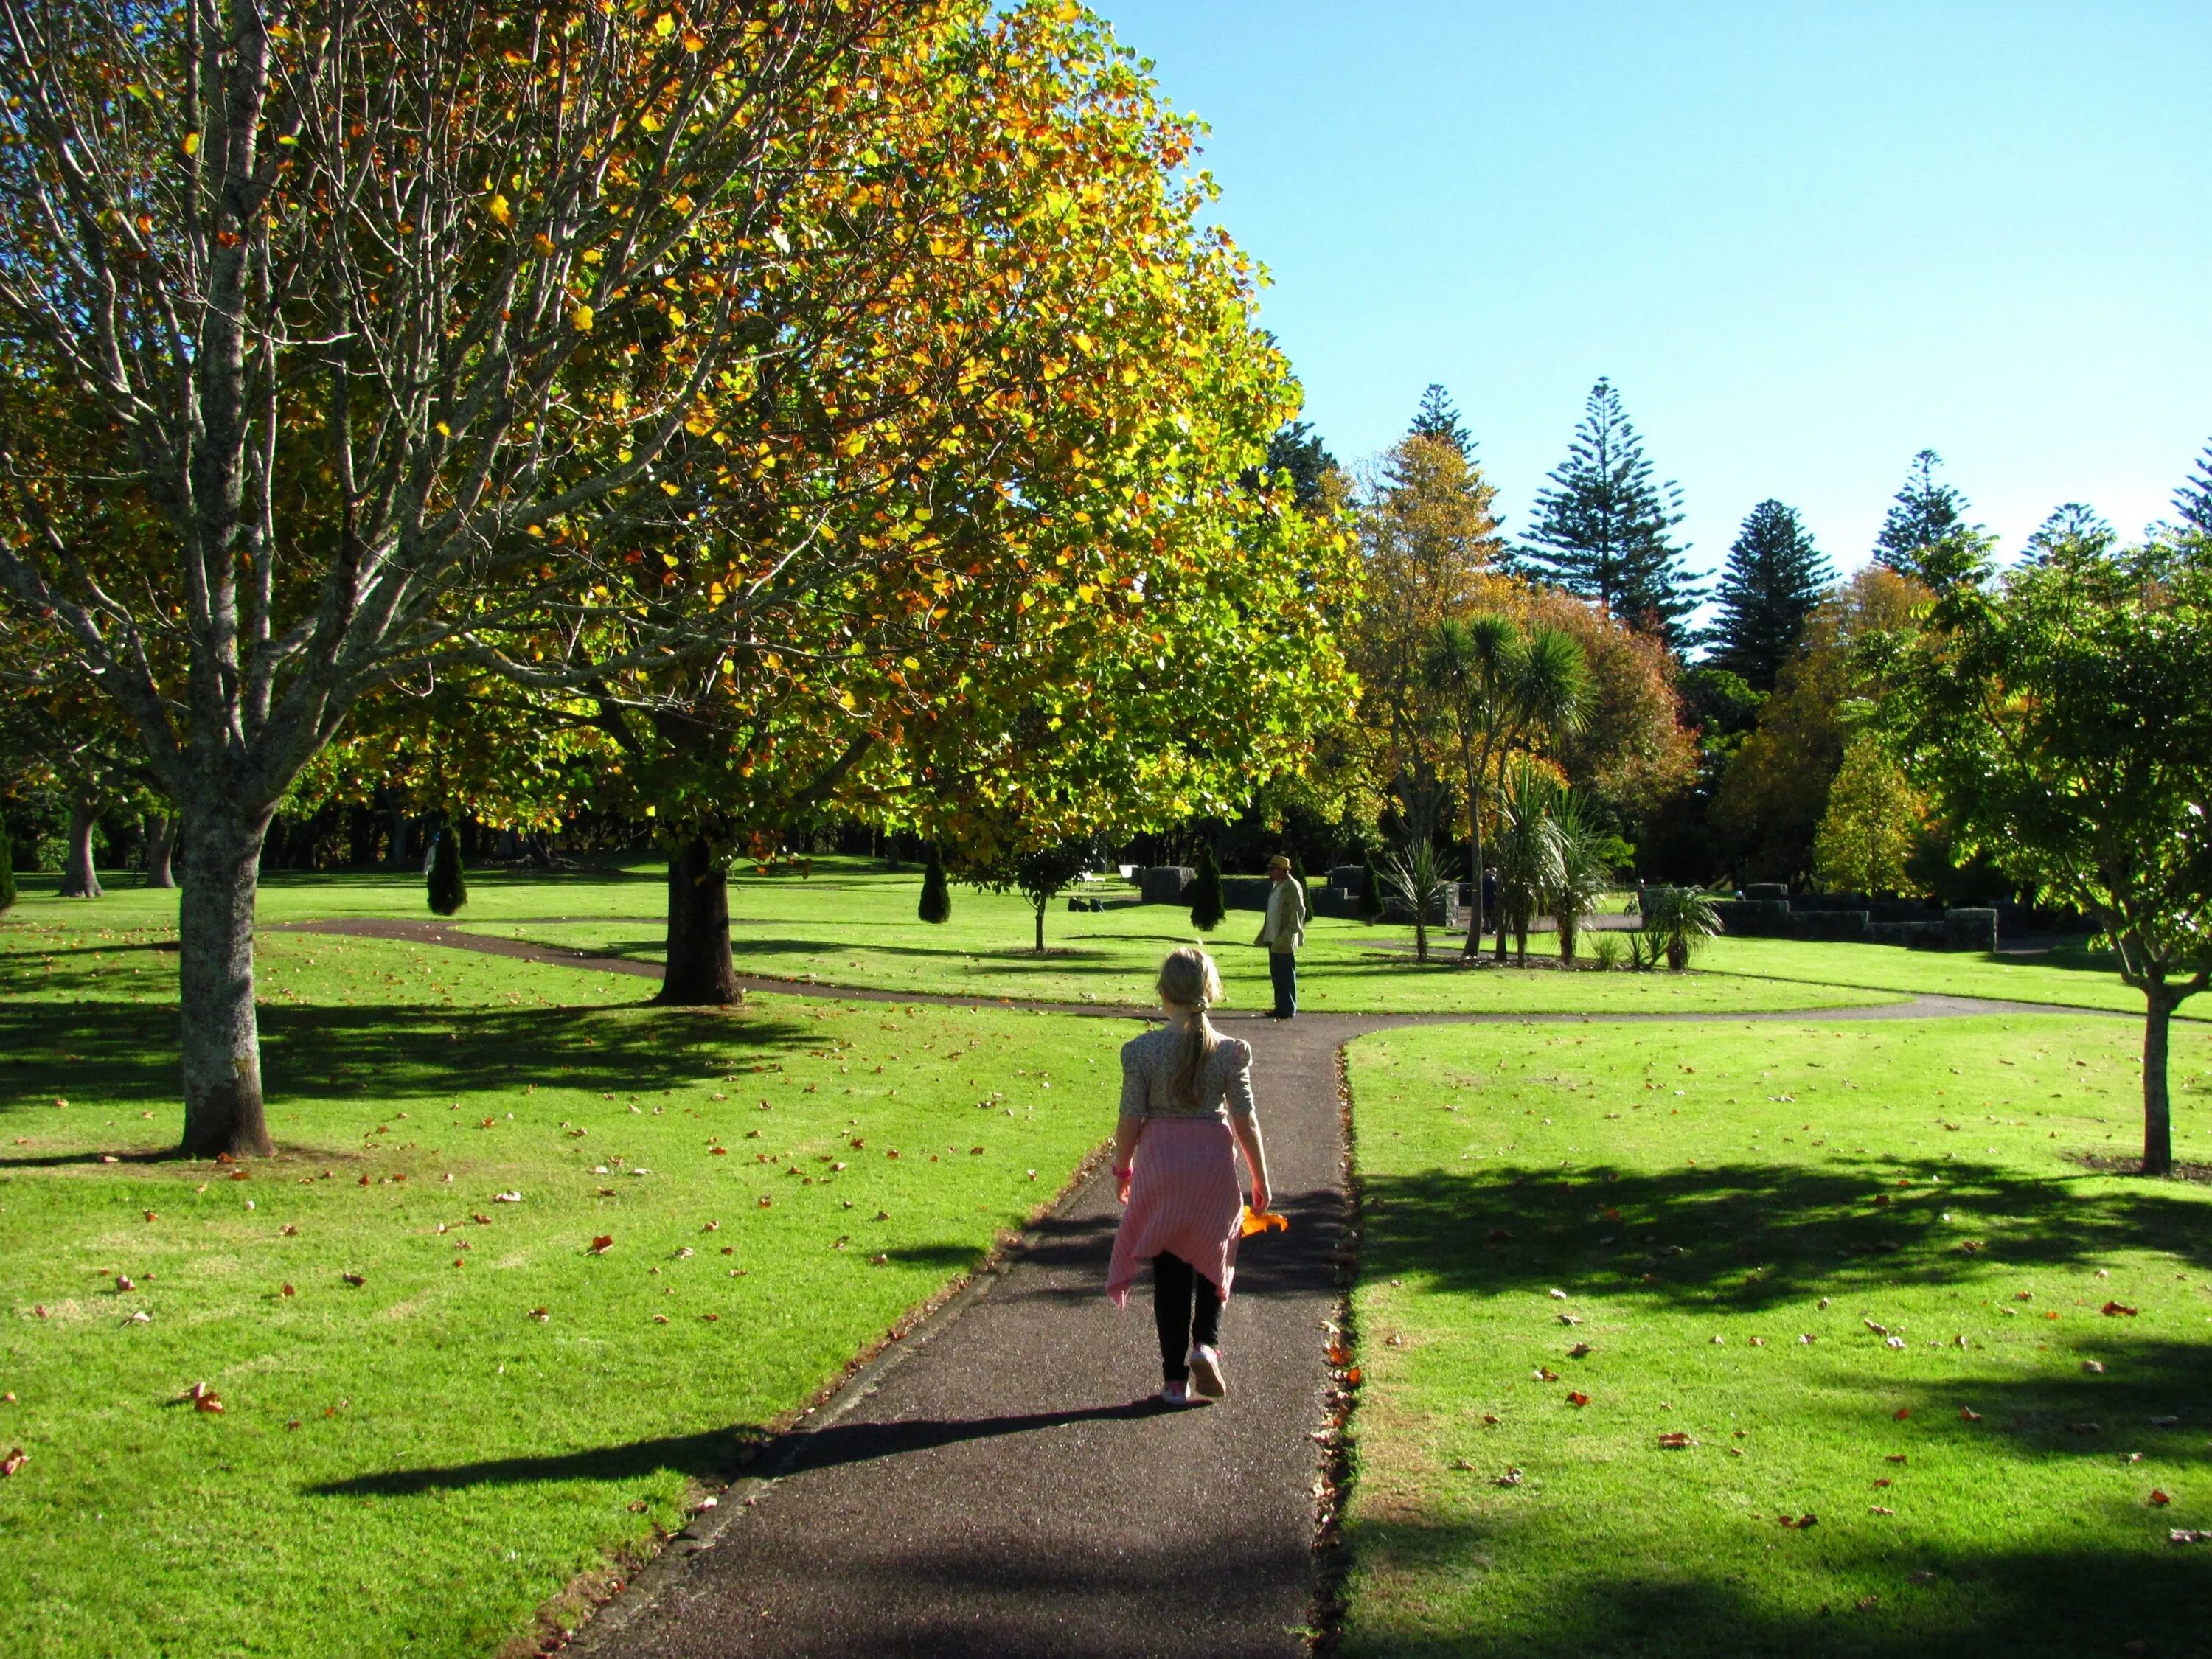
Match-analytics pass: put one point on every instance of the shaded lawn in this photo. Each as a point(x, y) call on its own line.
point(850, 924)
point(2072, 975)
point(1705, 1196)
point(415, 1463)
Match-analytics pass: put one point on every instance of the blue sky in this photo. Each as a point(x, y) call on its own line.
point(1804, 240)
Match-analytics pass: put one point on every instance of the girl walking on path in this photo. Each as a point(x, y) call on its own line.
point(1186, 1111)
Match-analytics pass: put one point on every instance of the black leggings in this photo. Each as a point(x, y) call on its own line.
point(1188, 1310)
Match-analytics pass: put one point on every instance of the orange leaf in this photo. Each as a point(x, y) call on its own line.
point(1577, 1398)
point(14, 1461)
point(603, 1243)
point(1261, 1221)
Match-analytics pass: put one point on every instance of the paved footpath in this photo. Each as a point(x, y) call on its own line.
point(995, 1485)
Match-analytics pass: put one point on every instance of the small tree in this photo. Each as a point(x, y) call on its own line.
point(1416, 878)
point(1528, 848)
point(449, 888)
point(2062, 716)
point(7, 870)
point(1371, 891)
point(1207, 906)
point(1873, 823)
point(1588, 854)
point(936, 894)
point(1676, 921)
point(1043, 874)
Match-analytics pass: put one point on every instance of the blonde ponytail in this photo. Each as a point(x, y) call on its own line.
point(1189, 979)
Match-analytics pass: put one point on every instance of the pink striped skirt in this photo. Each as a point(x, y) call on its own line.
point(1184, 1198)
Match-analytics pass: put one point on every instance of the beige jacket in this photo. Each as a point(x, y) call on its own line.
point(1285, 928)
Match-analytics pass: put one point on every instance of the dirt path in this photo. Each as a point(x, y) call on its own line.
point(987, 1486)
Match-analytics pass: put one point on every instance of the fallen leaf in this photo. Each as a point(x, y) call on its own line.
point(603, 1243)
point(1880, 1509)
point(150, 1216)
point(1546, 1374)
point(1900, 1413)
point(1676, 1440)
point(1893, 1457)
point(2095, 1367)
point(1578, 1351)
point(661, 1319)
point(2179, 1535)
point(1879, 1330)
point(1557, 1295)
point(507, 1198)
point(124, 1282)
point(288, 1231)
point(1512, 1477)
point(15, 1460)
point(1798, 1522)
point(1968, 1415)
point(765, 1200)
point(2117, 1310)
point(354, 1279)
point(1892, 1341)
point(2157, 1500)
point(1577, 1398)
point(1253, 1221)
point(540, 1315)
point(287, 1291)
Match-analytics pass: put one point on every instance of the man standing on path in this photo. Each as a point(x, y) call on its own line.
point(1282, 932)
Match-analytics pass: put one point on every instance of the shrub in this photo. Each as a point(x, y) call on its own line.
point(1608, 952)
point(1208, 906)
point(449, 889)
point(1676, 921)
point(936, 891)
point(1371, 894)
point(7, 870)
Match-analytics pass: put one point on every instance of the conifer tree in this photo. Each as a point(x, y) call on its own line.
point(1602, 526)
point(7, 870)
point(449, 888)
point(1207, 906)
point(1296, 449)
point(1923, 514)
point(1774, 577)
point(1371, 891)
point(2073, 527)
point(1438, 417)
point(936, 893)
point(2193, 501)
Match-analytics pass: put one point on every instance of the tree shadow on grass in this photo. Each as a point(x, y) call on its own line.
point(121, 1053)
point(1901, 1597)
point(1752, 1236)
point(722, 1453)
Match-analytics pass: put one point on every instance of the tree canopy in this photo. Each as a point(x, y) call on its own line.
point(1602, 526)
point(1773, 579)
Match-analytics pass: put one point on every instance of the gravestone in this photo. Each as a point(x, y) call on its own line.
point(1168, 884)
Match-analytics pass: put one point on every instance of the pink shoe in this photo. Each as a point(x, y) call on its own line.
point(1174, 1394)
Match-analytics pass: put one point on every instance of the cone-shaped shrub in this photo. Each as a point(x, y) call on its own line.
point(1206, 906)
point(1371, 892)
point(936, 895)
point(7, 870)
point(449, 892)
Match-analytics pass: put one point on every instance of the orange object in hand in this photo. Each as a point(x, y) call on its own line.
point(1259, 1221)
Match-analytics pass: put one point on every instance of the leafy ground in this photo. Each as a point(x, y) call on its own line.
point(412, 1463)
point(1981, 1475)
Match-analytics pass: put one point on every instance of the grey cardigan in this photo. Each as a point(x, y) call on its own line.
point(1148, 1066)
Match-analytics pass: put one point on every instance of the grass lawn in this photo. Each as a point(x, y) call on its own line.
point(2071, 975)
point(414, 1462)
point(1725, 1215)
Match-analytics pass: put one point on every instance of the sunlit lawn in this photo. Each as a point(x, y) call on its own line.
point(1693, 1202)
point(413, 1463)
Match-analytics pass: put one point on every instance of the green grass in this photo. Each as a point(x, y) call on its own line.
point(414, 1464)
point(2071, 975)
point(1704, 1196)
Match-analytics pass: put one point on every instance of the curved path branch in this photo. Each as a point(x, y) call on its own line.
point(986, 1486)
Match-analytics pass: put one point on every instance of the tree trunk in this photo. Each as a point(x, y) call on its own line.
point(221, 1036)
point(79, 878)
point(1570, 927)
point(1473, 948)
point(1421, 934)
point(2158, 1106)
point(700, 974)
point(160, 850)
point(1040, 926)
point(399, 857)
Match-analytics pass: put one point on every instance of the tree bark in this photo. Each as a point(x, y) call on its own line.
point(2158, 1105)
point(79, 878)
point(699, 974)
point(221, 1035)
point(1040, 927)
point(160, 850)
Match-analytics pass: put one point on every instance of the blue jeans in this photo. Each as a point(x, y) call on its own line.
point(1283, 970)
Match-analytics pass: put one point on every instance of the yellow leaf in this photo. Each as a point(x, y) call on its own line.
point(501, 208)
point(191, 143)
point(663, 26)
point(668, 487)
point(581, 319)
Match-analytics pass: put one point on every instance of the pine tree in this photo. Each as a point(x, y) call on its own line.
point(1601, 527)
point(7, 870)
point(2075, 528)
point(1774, 577)
point(2193, 501)
point(936, 895)
point(1438, 417)
point(449, 890)
point(1296, 449)
point(1923, 514)
point(1207, 906)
